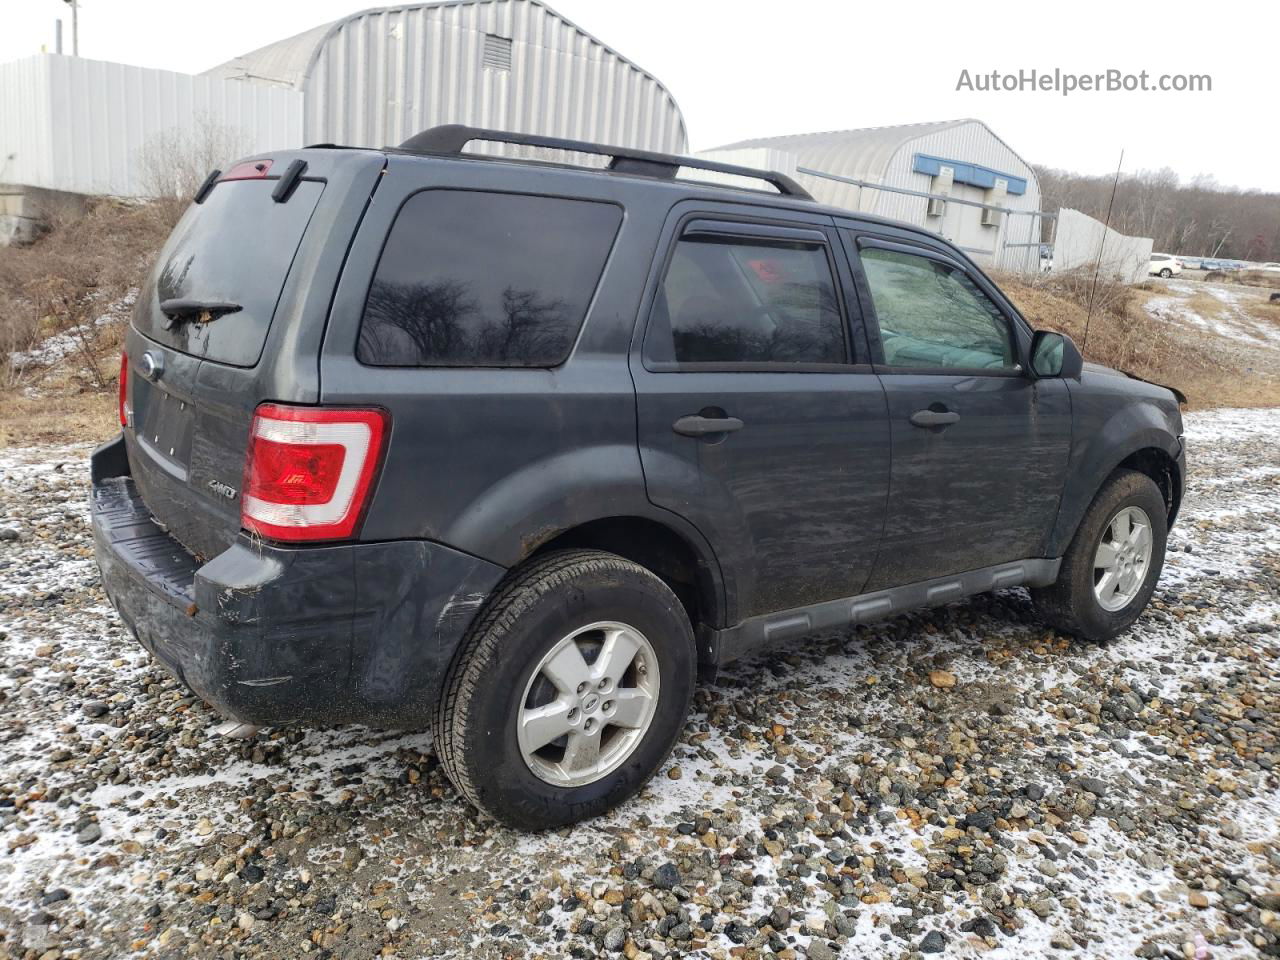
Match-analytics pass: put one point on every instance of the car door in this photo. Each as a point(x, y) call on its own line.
point(980, 446)
point(760, 420)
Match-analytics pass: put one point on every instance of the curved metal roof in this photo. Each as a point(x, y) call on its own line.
point(290, 61)
point(860, 154)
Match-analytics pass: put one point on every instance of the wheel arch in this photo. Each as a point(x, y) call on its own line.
point(1148, 455)
point(680, 559)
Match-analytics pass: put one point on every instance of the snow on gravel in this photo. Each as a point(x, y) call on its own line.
point(1233, 322)
point(960, 782)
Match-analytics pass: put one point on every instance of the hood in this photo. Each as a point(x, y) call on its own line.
point(1098, 368)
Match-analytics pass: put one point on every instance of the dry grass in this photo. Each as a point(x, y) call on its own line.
point(1121, 334)
point(84, 267)
point(79, 270)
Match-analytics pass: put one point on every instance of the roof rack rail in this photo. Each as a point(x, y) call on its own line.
point(450, 138)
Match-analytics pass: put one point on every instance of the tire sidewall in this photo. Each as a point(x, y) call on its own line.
point(503, 781)
point(1129, 490)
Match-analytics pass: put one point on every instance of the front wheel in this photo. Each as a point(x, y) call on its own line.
point(1110, 570)
point(1166, 273)
point(569, 692)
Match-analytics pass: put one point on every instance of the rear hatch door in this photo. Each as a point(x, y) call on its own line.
point(231, 315)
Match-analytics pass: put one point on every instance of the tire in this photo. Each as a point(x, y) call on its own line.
point(1166, 273)
point(1071, 603)
point(498, 675)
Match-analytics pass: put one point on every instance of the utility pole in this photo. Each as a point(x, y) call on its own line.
point(75, 26)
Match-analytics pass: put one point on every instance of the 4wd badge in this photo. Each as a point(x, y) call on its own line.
point(222, 489)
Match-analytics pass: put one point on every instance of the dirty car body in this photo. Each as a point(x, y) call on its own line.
point(860, 474)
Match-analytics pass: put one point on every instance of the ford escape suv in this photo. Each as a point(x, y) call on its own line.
point(516, 449)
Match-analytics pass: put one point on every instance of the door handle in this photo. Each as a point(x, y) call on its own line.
point(934, 418)
point(699, 426)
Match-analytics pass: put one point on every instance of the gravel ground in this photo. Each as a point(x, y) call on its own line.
point(959, 782)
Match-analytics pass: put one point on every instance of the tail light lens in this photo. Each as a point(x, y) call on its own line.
point(310, 471)
point(124, 390)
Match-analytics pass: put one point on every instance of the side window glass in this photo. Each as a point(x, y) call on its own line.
point(730, 300)
point(472, 279)
point(933, 315)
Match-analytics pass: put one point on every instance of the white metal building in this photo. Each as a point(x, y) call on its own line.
point(73, 125)
point(957, 178)
point(380, 76)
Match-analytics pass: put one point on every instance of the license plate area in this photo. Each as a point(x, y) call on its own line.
point(165, 430)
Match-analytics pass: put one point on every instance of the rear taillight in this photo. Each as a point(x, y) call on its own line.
point(124, 390)
point(310, 471)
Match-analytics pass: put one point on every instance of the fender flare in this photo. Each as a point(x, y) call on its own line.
point(1132, 429)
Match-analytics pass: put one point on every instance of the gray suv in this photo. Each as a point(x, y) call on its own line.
point(518, 450)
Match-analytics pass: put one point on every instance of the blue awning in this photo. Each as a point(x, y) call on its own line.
point(971, 173)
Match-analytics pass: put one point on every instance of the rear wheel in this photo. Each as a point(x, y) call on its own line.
point(1110, 570)
point(569, 692)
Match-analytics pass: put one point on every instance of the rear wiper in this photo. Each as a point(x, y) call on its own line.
point(201, 311)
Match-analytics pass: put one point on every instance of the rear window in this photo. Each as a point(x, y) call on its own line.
point(471, 279)
point(235, 248)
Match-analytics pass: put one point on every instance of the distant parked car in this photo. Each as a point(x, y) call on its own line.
point(1270, 267)
point(1164, 265)
point(1192, 263)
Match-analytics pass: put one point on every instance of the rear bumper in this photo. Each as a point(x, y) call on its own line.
point(267, 635)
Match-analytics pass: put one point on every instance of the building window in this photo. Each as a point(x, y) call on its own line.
point(497, 52)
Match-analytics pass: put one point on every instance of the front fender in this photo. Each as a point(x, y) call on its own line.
point(1102, 438)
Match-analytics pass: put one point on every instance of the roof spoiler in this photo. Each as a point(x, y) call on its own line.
point(449, 140)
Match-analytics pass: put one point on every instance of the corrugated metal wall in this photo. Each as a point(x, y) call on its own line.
point(1080, 239)
point(893, 166)
point(383, 76)
point(82, 125)
point(972, 143)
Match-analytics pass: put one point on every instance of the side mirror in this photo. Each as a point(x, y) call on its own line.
point(1055, 355)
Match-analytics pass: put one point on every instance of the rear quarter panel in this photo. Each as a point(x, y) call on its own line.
point(496, 462)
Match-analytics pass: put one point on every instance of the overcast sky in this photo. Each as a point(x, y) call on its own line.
point(747, 68)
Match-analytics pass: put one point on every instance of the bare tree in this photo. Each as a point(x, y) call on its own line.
point(176, 161)
point(1198, 218)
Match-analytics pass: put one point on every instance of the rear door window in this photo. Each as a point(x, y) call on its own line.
point(748, 302)
point(474, 279)
point(234, 248)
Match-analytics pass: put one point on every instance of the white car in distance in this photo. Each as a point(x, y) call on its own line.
point(1164, 265)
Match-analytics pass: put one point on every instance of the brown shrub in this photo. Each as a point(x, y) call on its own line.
point(1124, 336)
point(85, 266)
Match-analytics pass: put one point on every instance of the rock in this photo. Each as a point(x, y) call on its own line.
point(666, 876)
point(674, 773)
point(983, 820)
point(1095, 786)
point(89, 834)
point(942, 679)
point(8, 533)
point(615, 938)
point(933, 942)
point(818, 950)
point(1198, 900)
point(95, 708)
